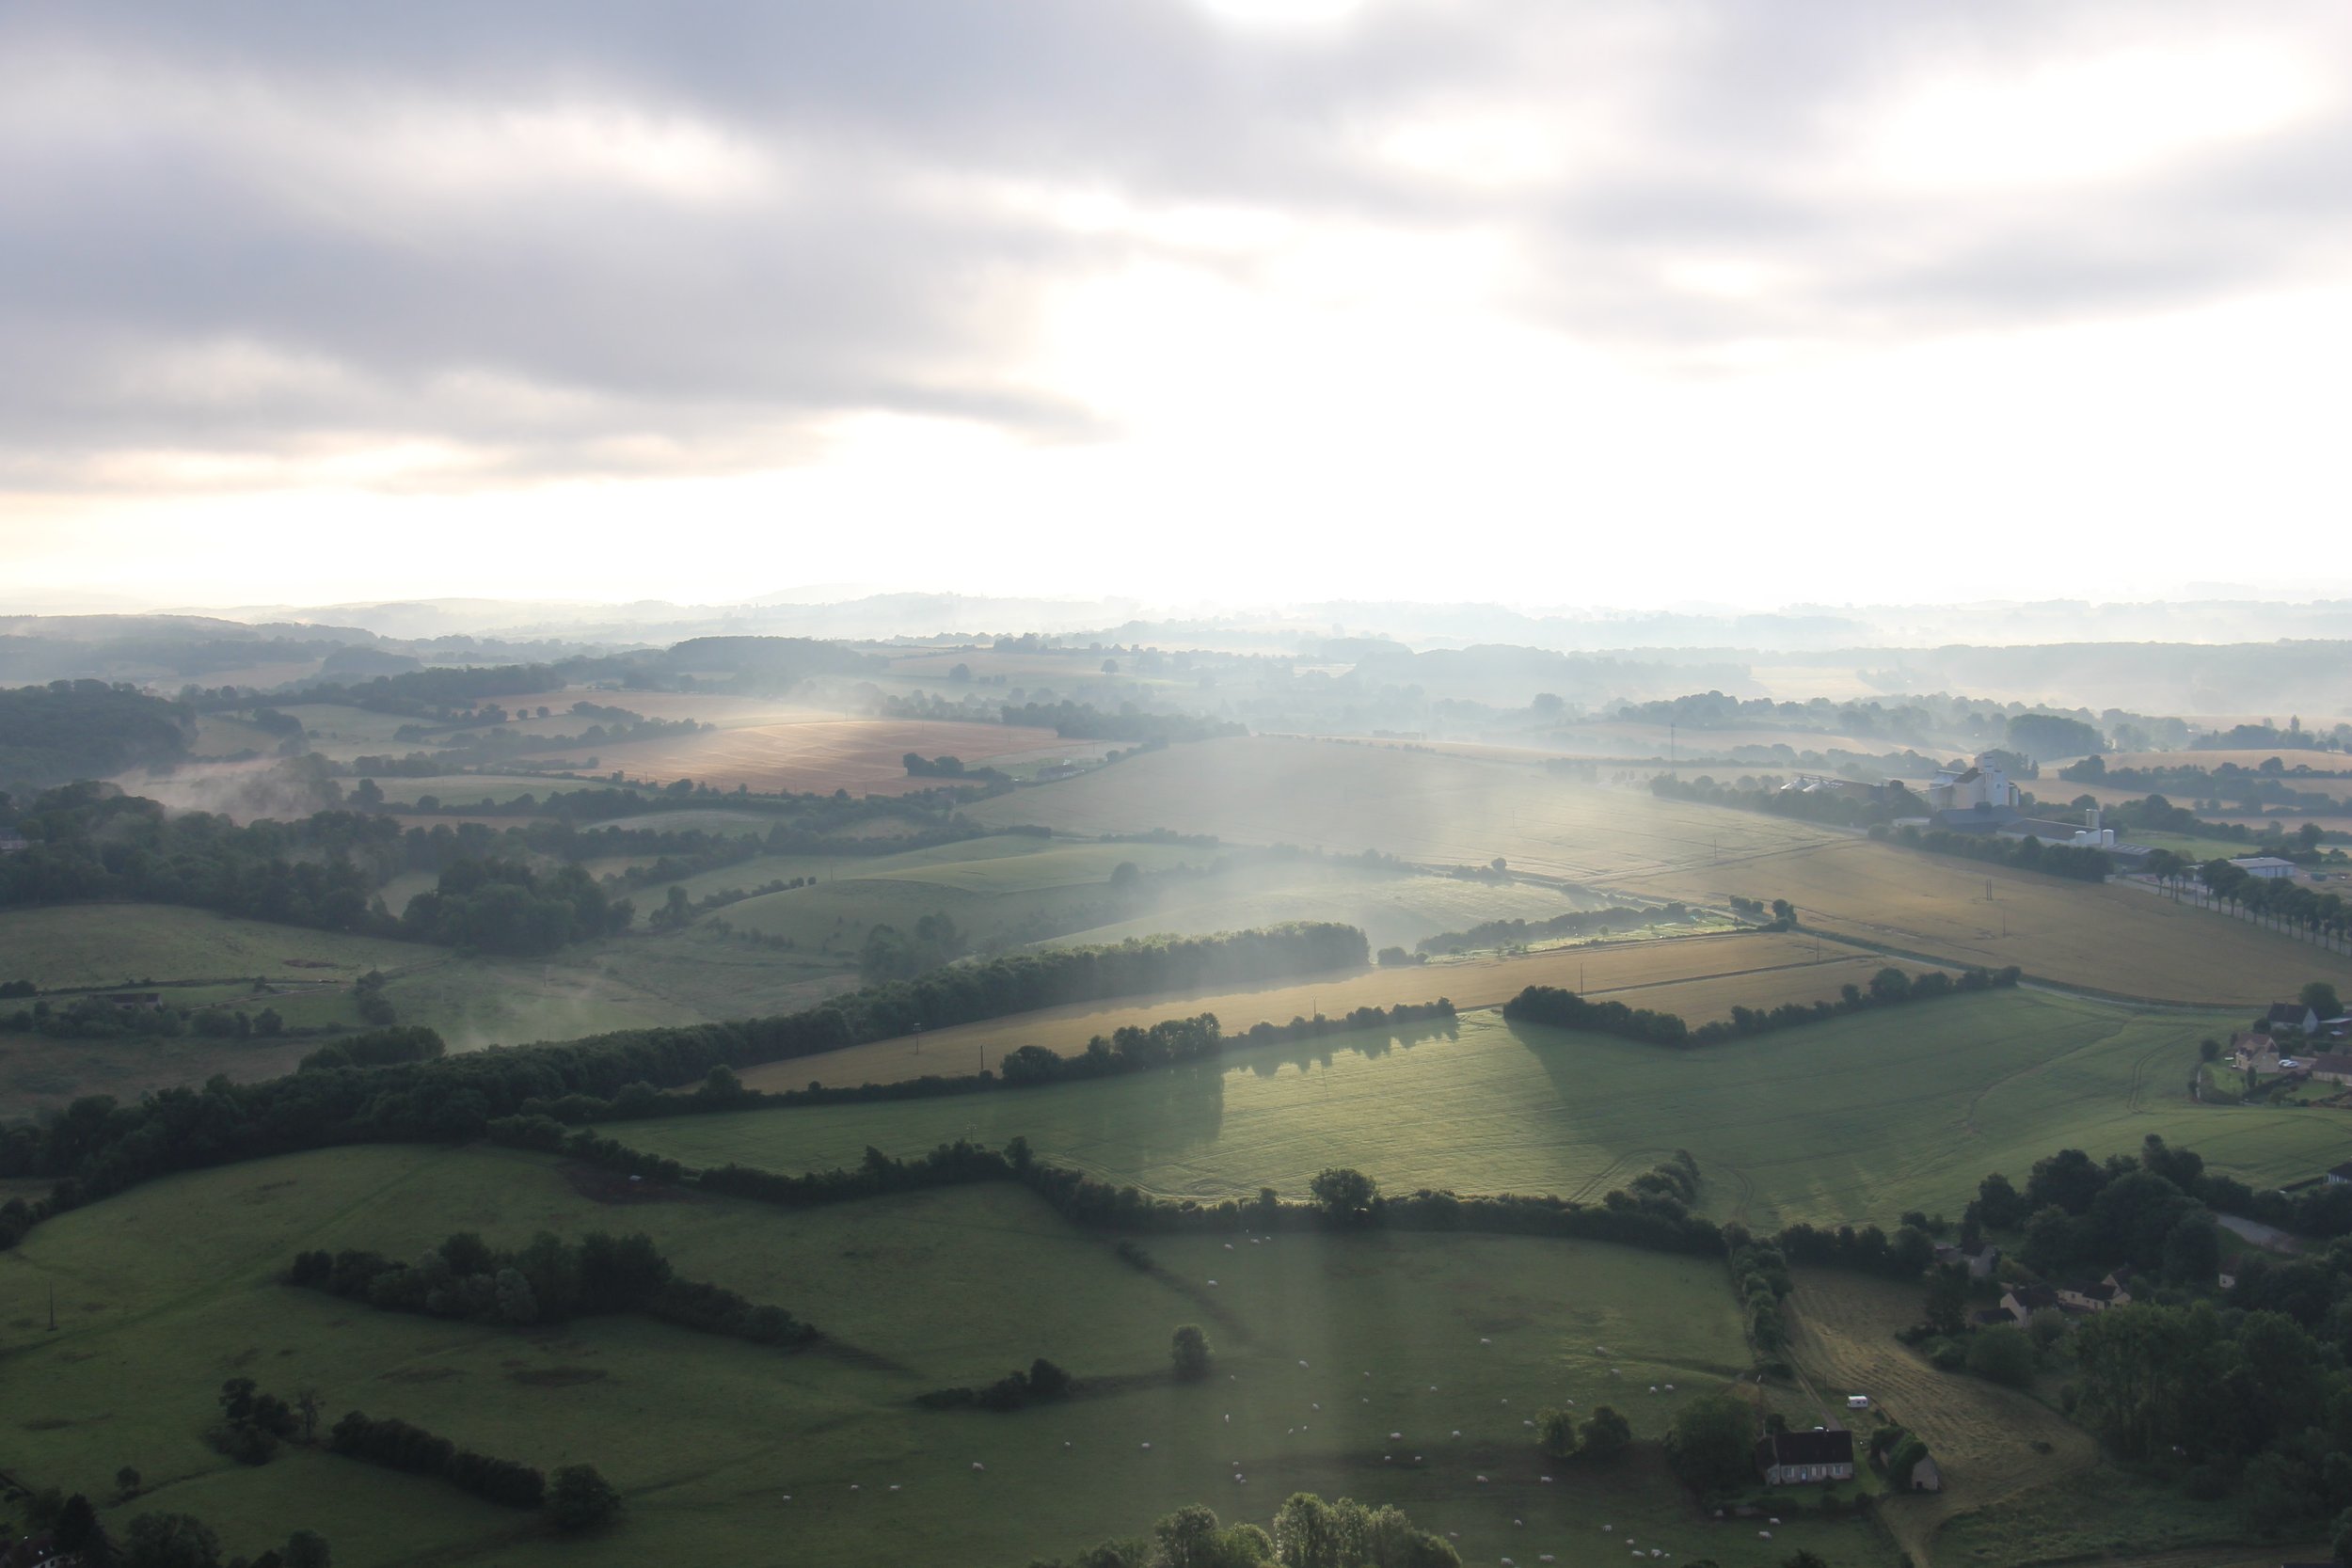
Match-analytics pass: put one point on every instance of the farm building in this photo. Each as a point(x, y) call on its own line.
point(2290, 1015)
point(2331, 1066)
point(1980, 1264)
point(2084, 1297)
point(1925, 1477)
point(147, 998)
point(14, 844)
point(1964, 789)
point(2340, 1175)
point(2266, 868)
point(2022, 1302)
point(1791, 1458)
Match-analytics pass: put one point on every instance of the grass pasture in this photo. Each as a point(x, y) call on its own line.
point(1850, 1122)
point(730, 1453)
point(1700, 977)
point(1426, 807)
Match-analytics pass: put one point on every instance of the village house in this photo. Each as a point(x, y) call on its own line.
point(2091, 1298)
point(2258, 1051)
point(2333, 1066)
point(2022, 1302)
point(1793, 1458)
point(2340, 1175)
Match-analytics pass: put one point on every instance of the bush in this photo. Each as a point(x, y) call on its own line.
point(1189, 1349)
point(2003, 1356)
point(582, 1500)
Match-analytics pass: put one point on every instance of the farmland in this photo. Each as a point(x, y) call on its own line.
point(823, 755)
point(1428, 808)
point(1326, 1344)
point(1853, 1120)
point(1700, 977)
point(2020, 1484)
point(2107, 938)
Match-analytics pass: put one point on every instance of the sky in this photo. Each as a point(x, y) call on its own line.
point(1246, 300)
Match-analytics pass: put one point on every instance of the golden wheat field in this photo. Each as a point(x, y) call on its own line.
point(1423, 806)
point(1699, 978)
point(823, 754)
point(2113, 938)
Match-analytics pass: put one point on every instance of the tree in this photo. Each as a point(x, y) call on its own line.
point(268, 1025)
point(581, 1499)
point(1946, 1306)
point(127, 1481)
point(1346, 1196)
point(2003, 1356)
point(1304, 1533)
point(1188, 1347)
point(1188, 1539)
point(77, 1521)
point(2045, 1328)
point(306, 1548)
point(170, 1541)
point(1555, 1431)
point(1605, 1435)
point(1712, 1442)
point(1124, 875)
point(2320, 997)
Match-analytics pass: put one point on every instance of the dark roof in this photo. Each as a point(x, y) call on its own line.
point(2092, 1293)
point(2343, 1171)
point(1989, 1317)
point(1805, 1447)
point(2328, 1061)
point(2287, 1012)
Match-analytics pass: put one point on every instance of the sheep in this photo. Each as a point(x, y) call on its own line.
point(1771, 1521)
point(1302, 1362)
point(1765, 1534)
point(1484, 1340)
point(1458, 1431)
point(1147, 1444)
point(1482, 1481)
point(788, 1496)
point(853, 1484)
point(1211, 1281)
point(893, 1486)
point(975, 1464)
point(1395, 1435)
point(1545, 1480)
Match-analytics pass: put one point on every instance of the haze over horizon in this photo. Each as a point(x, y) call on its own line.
point(1397, 299)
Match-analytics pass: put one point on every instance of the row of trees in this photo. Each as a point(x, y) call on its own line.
point(1890, 986)
point(550, 1281)
point(2276, 902)
point(2018, 854)
point(97, 1145)
point(580, 1499)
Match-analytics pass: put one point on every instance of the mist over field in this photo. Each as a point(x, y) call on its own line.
point(1200, 784)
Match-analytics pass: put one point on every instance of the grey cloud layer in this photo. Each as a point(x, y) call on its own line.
point(249, 229)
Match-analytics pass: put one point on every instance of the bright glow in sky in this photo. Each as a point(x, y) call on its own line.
point(1248, 300)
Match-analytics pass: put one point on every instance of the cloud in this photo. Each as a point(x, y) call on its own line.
point(450, 245)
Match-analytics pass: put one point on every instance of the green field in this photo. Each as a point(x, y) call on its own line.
point(730, 1453)
point(1015, 890)
point(1853, 1120)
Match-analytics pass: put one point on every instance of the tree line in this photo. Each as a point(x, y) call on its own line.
point(580, 1499)
point(2081, 864)
point(95, 1146)
point(550, 1281)
point(1890, 986)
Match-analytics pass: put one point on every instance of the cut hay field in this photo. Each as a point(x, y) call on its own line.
point(1426, 807)
point(1700, 977)
point(821, 754)
point(730, 1453)
point(2021, 1484)
point(1852, 1121)
point(2109, 937)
